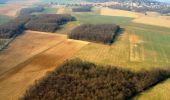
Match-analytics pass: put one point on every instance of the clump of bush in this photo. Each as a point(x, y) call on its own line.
point(105, 33)
point(82, 9)
point(48, 22)
point(81, 80)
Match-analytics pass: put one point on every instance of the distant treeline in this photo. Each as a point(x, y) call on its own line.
point(28, 11)
point(48, 22)
point(45, 23)
point(105, 33)
point(81, 80)
point(82, 9)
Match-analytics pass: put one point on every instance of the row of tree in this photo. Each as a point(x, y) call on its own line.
point(105, 33)
point(82, 9)
point(13, 27)
point(45, 23)
point(81, 80)
point(29, 11)
point(48, 22)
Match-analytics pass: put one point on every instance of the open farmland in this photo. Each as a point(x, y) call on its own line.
point(140, 47)
point(122, 13)
point(5, 19)
point(134, 49)
point(10, 9)
point(153, 21)
point(31, 51)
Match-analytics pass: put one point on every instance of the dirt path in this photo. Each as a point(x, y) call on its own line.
point(14, 83)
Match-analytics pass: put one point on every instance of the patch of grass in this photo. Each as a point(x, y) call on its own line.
point(99, 19)
point(77, 80)
point(5, 19)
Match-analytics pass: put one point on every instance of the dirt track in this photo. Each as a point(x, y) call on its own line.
point(50, 53)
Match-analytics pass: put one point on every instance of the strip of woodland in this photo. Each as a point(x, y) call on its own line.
point(105, 33)
point(82, 80)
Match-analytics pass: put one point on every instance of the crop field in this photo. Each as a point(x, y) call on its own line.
point(10, 9)
point(4, 19)
point(31, 56)
point(115, 12)
point(139, 47)
point(99, 19)
point(67, 28)
point(134, 49)
point(153, 21)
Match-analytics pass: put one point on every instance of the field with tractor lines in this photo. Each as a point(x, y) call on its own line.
point(34, 56)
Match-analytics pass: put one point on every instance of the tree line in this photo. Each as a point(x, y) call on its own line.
point(48, 22)
point(82, 80)
point(29, 11)
point(105, 33)
point(13, 27)
point(44, 22)
point(82, 9)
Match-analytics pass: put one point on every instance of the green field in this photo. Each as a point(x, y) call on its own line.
point(4, 19)
point(151, 50)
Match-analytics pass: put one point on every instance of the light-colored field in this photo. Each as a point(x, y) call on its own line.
point(158, 21)
point(10, 9)
point(123, 13)
point(67, 28)
point(61, 10)
point(29, 57)
point(134, 52)
point(158, 92)
point(26, 46)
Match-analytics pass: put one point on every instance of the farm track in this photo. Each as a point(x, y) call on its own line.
point(18, 78)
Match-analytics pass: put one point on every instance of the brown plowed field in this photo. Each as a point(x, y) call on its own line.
point(42, 53)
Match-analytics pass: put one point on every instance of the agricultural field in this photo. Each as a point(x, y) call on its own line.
point(5, 19)
point(10, 9)
point(31, 56)
point(133, 46)
point(122, 13)
point(138, 47)
point(153, 21)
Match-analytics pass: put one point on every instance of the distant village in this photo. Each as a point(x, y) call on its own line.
point(160, 7)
